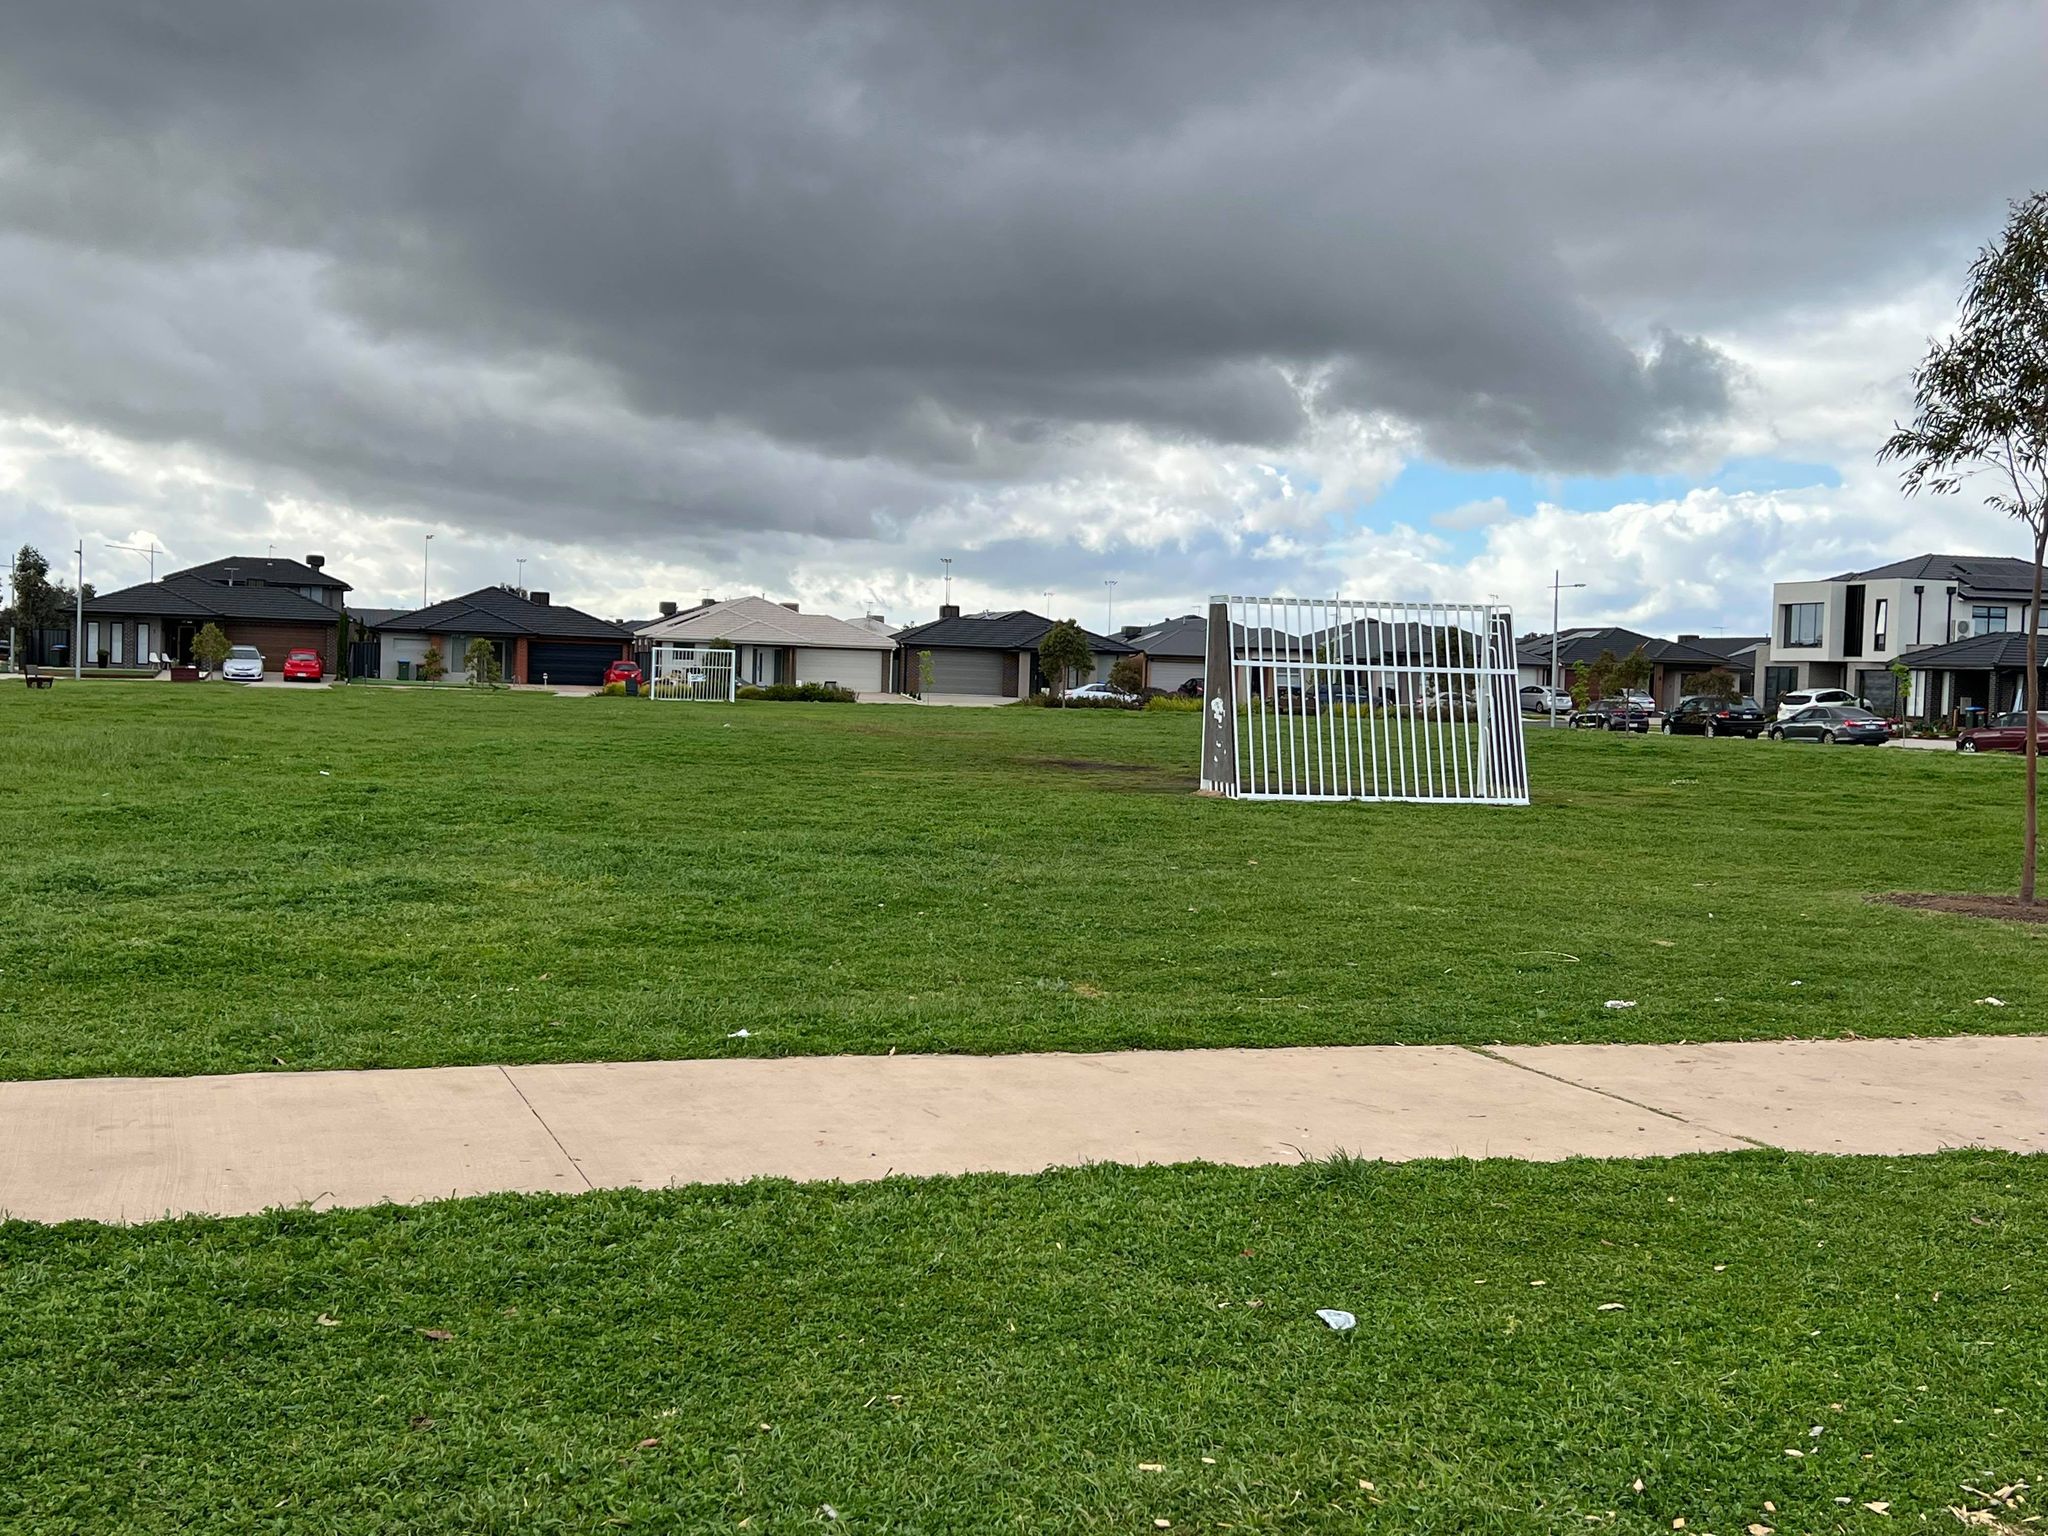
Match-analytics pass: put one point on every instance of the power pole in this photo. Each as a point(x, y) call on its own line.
point(78, 618)
point(1557, 585)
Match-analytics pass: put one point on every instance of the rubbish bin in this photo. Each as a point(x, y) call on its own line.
point(405, 671)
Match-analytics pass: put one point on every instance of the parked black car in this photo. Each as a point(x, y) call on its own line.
point(1832, 723)
point(1705, 715)
point(1611, 715)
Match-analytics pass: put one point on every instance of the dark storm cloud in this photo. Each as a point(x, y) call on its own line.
point(818, 267)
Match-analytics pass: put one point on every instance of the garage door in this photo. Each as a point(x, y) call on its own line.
point(276, 641)
point(1170, 674)
point(966, 672)
point(568, 661)
point(859, 670)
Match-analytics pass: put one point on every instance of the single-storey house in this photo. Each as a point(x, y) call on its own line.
point(776, 643)
point(985, 655)
point(1969, 679)
point(1673, 663)
point(536, 640)
point(274, 604)
point(1176, 651)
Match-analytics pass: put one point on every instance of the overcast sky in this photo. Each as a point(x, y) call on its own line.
point(680, 299)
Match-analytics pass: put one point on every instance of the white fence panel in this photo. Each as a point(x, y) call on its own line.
point(698, 673)
point(1342, 699)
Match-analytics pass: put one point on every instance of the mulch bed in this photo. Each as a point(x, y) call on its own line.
point(2007, 908)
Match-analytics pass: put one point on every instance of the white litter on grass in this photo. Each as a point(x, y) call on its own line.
point(740, 1034)
point(1341, 1322)
point(1619, 1002)
point(325, 774)
point(1992, 1002)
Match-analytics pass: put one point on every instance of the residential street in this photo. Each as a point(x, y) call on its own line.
point(134, 1149)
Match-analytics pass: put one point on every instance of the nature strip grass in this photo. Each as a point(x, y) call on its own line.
point(1734, 1341)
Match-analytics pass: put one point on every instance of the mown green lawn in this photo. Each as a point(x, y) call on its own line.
point(1571, 1347)
point(210, 879)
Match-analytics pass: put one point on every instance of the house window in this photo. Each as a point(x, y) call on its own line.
point(1802, 624)
point(117, 640)
point(142, 639)
point(92, 645)
point(1880, 623)
point(1986, 619)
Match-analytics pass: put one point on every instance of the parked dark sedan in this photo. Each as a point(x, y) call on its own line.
point(1705, 715)
point(1611, 715)
point(1833, 723)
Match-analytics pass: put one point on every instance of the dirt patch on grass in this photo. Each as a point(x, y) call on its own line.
point(2007, 908)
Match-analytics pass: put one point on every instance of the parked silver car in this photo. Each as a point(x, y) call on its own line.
point(244, 665)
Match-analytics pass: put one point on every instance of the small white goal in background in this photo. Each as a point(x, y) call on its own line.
point(699, 673)
point(1340, 699)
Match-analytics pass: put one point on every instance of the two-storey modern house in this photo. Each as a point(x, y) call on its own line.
point(1846, 631)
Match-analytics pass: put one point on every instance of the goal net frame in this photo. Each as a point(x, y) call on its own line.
point(1340, 699)
point(692, 673)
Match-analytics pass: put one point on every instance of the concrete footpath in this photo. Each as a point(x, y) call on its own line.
point(134, 1149)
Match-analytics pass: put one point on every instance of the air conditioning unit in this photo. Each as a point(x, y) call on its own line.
point(1962, 629)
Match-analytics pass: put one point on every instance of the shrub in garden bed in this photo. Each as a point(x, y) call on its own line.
point(800, 693)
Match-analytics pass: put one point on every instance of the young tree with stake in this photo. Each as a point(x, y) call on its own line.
point(1980, 403)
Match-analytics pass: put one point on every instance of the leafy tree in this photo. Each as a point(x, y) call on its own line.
point(38, 602)
point(1720, 684)
point(924, 672)
point(1632, 673)
point(1980, 402)
point(1065, 652)
point(433, 665)
point(210, 646)
point(1902, 684)
point(1592, 679)
point(480, 661)
point(1127, 675)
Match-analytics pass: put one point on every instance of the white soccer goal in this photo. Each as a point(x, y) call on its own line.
point(698, 673)
point(1337, 699)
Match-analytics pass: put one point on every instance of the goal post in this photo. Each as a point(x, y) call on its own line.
point(1344, 699)
point(701, 674)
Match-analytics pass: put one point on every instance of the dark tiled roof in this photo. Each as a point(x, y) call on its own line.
point(1184, 636)
point(1974, 573)
point(183, 596)
point(269, 569)
point(1577, 645)
point(492, 611)
point(370, 618)
point(1728, 646)
point(1018, 630)
point(2005, 652)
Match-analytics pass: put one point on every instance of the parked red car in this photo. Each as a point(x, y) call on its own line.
point(2003, 733)
point(304, 666)
point(624, 672)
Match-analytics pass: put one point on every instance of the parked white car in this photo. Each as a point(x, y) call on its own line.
point(1789, 704)
point(244, 665)
point(1542, 699)
point(1099, 691)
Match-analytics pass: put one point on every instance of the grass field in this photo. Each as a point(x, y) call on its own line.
point(210, 879)
point(993, 1354)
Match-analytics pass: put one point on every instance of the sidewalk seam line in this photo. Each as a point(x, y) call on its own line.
point(1620, 1098)
point(570, 1157)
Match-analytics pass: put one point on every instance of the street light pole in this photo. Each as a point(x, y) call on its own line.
point(426, 555)
point(1557, 585)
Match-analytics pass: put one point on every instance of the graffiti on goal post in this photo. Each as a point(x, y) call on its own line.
point(1344, 699)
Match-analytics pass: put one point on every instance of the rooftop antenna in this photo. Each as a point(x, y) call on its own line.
point(149, 549)
point(520, 581)
point(947, 562)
